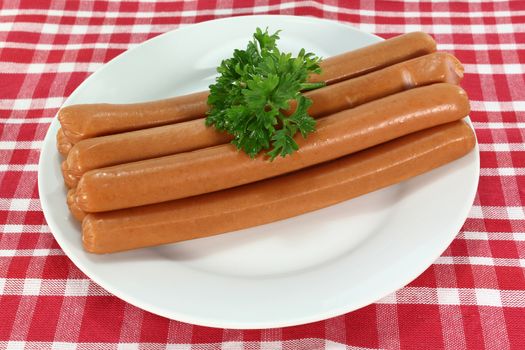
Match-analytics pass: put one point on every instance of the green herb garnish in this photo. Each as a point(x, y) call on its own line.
point(253, 90)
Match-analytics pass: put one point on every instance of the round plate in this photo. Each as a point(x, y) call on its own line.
point(295, 271)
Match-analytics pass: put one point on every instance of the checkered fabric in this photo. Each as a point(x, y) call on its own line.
point(472, 297)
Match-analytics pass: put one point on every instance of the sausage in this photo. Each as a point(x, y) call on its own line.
point(103, 151)
point(77, 213)
point(374, 57)
point(137, 145)
point(219, 167)
point(63, 144)
point(269, 200)
point(88, 120)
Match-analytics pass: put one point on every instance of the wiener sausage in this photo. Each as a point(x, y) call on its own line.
point(88, 120)
point(63, 144)
point(103, 151)
point(137, 145)
point(219, 167)
point(373, 57)
point(269, 200)
point(77, 213)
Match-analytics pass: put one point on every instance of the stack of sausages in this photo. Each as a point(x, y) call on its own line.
point(152, 173)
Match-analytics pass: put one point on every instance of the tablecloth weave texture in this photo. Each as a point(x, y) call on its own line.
point(472, 297)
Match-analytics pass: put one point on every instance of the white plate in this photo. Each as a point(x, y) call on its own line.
point(304, 269)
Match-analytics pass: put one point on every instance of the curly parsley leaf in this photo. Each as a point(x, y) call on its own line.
point(254, 88)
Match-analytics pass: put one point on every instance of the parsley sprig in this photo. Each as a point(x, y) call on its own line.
point(254, 89)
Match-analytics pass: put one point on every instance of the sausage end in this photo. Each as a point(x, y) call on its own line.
point(455, 69)
point(71, 180)
point(456, 94)
point(89, 236)
point(63, 144)
point(70, 122)
point(427, 42)
point(77, 213)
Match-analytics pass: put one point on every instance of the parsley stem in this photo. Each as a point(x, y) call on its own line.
point(312, 86)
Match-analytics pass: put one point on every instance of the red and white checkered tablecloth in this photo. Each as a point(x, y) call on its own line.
point(472, 297)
